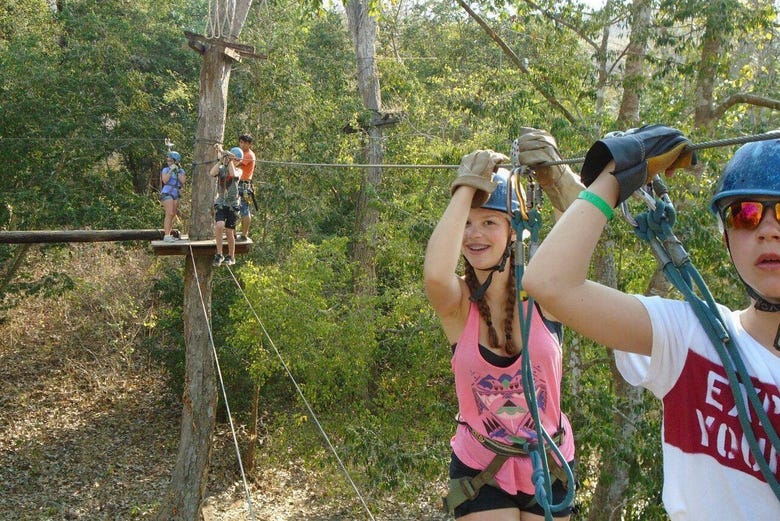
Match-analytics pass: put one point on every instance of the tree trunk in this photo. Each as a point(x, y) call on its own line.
point(608, 498)
point(190, 475)
point(634, 76)
point(711, 49)
point(603, 74)
point(613, 479)
point(363, 29)
point(607, 502)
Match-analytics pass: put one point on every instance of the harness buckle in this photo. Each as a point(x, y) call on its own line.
point(468, 488)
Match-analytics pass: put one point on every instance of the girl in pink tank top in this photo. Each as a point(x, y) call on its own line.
point(479, 315)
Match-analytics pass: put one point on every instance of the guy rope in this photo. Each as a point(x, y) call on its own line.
point(303, 398)
point(222, 386)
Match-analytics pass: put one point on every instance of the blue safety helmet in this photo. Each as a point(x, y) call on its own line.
point(754, 170)
point(497, 200)
point(175, 155)
point(237, 152)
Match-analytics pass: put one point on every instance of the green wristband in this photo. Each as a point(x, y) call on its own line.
point(598, 202)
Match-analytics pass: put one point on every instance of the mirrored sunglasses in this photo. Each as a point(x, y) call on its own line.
point(746, 215)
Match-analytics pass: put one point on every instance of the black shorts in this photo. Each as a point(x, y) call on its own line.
point(492, 498)
point(226, 214)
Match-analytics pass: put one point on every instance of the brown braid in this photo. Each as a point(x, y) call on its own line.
point(484, 308)
point(510, 307)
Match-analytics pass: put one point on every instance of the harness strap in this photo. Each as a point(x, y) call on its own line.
point(467, 488)
point(523, 449)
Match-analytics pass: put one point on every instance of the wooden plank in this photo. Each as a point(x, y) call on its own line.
point(52, 236)
point(232, 54)
point(202, 247)
point(198, 41)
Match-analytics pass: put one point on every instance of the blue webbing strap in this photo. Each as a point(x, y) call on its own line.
point(532, 222)
point(655, 227)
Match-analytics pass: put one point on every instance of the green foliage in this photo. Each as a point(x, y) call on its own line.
point(167, 344)
point(323, 334)
point(65, 147)
point(376, 371)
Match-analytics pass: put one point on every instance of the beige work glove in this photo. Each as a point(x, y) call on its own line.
point(476, 170)
point(535, 147)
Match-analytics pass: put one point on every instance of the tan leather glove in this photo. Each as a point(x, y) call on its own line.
point(535, 147)
point(476, 170)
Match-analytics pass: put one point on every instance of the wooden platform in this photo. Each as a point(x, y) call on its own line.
point(206, 247)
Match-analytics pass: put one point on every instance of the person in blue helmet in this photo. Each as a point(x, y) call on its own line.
point(172, 179)
point(226, 202)
point(710, 471)
point(479, 316)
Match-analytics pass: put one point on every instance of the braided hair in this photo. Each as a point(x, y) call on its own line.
point(484, 308)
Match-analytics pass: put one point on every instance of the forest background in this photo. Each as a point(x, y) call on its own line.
point(89, 90)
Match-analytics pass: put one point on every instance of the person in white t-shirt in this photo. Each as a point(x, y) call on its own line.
point(709, 469)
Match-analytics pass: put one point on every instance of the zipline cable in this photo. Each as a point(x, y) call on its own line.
point(222, 386)
point(773, 134)
point(303, 398)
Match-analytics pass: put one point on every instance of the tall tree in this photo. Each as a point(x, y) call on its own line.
point(190, 476)
point(633, 76)
point(363, 26)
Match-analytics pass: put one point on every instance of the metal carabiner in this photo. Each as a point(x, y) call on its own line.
point(642, 194)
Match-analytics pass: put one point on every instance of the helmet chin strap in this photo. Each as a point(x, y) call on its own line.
point(480, 292)
point(762, 304)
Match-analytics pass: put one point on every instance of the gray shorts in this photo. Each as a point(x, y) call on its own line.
point(226, 214)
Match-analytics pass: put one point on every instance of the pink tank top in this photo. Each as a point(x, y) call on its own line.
point(492, 402)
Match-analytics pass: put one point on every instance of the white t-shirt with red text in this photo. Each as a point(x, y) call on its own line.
point(709, 472)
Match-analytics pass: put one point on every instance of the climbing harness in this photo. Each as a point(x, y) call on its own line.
point(526, 221)
point(247, 192)
point(467, 488)
point(173, 186)
point(655, 227)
